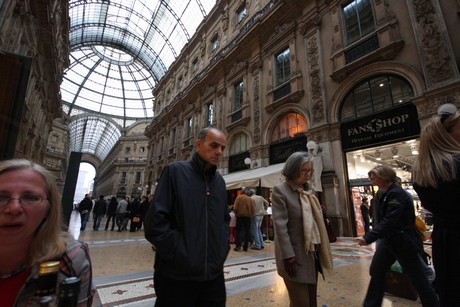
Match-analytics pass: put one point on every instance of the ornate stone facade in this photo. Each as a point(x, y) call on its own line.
point(411, 40)
point(324, 67)
point(37, 31)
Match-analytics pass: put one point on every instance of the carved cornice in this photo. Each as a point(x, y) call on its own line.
point(311, 23)
point(326, 133)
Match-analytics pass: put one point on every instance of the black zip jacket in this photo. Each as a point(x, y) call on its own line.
point(397, 217)
point(188, 221)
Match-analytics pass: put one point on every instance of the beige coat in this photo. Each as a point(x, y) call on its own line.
point(289, 238)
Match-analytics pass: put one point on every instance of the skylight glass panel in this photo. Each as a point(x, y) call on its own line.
point(120, 48)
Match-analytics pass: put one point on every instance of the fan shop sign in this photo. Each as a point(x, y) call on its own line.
point(380, 128)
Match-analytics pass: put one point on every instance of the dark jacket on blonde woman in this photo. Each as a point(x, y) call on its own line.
point(436, 176)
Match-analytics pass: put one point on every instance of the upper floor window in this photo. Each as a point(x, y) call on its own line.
point(141, 149)
point(127, 149)
point(195, 64)
point(180, 82)
point(288, 126)
point(172, 139)
point(238, 89)
point(168, 94)
point(240, 143)
point(161, 145)
point(138, 178)
point(359, 19)
point(282, 68)
point(375, 94)
point(241, 13)
point(188, 128)
point(214, 42)
point(209, 114)
point(123, 177)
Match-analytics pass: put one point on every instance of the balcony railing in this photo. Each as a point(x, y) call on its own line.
point(282, 91)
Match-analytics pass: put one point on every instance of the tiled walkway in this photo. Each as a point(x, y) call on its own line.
point(123, 261)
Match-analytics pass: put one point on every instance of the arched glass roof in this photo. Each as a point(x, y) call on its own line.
point(119, 50)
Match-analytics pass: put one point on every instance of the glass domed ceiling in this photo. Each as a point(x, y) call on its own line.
point(119, 50)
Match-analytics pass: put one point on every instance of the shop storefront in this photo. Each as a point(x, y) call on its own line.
point(388, 137)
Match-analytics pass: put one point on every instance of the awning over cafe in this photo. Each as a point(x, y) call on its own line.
point(266, 177)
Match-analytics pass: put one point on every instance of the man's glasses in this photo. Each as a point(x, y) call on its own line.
point(24, 200)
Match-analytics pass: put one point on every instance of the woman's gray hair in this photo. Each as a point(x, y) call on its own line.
point(294, 164)
point(384, 172)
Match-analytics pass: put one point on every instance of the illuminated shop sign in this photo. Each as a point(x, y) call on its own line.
point(381, 128)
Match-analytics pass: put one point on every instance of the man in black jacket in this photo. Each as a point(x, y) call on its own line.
point(85, 207)
point(100, 207)
point(188, 223)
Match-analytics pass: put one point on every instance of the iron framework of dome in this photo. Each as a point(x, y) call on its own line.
point(119, 50)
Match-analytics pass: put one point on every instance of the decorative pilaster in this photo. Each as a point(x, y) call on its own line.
point(439, 66)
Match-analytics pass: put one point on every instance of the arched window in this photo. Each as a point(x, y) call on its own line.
point(239, 144)
point(239, 150)
point(288, 126)
point(136, 192)
point(375, 94)
point(121, 193)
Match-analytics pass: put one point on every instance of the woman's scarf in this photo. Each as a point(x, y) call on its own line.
point(314, 230)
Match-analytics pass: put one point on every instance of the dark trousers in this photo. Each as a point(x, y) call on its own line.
point(209, 293)
point(110, 217)
point(84, 219)
point(122, 221)
point(97, 220)
point(388, 251)
point(243, 231)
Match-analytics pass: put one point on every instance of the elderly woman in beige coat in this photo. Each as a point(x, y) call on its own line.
point(301, 242)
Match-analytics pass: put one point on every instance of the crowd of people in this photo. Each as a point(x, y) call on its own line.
point(192, 235)
point(247, 214)
point(119, 212)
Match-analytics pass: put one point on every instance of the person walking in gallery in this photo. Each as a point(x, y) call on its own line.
point(143, 207)
point(31, 233)
point(398, 241)
point(244, 210)
point(134, 215)
point(99, 210)
point(122, 211)
point(232, 226)
point(436, 177)
point(302, 247)
point(85, 207)
point(260, 206)
point(111, 213)
point(365, 213)
point(188, 223)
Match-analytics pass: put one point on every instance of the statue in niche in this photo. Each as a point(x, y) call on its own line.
point(314, 152)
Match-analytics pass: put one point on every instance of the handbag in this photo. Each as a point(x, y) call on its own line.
point(330, 231)
point(398, 284)
point(327, 223)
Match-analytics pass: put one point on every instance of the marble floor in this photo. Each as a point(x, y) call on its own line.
point(123, 269)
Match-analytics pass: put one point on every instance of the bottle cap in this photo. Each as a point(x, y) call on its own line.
point(70, 282)
point(48, 267)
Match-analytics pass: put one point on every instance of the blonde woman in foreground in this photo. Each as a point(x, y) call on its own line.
point(436, 177)
point(30, 233)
